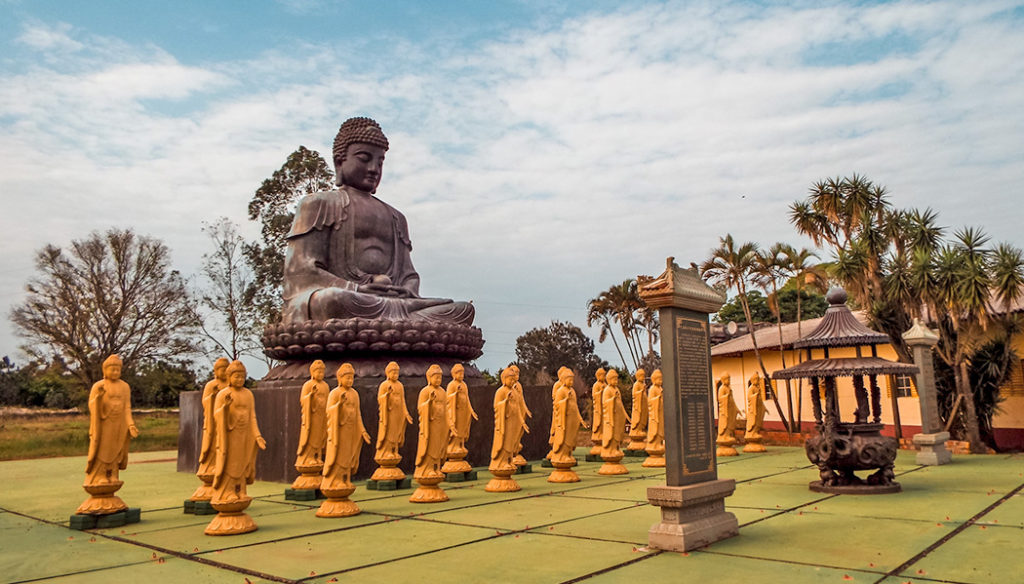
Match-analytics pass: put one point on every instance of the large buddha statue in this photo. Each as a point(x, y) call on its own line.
point(348, 251)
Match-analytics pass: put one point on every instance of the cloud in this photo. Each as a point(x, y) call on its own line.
point(542, 166)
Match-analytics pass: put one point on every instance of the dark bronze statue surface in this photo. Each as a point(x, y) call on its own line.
point(349, 252)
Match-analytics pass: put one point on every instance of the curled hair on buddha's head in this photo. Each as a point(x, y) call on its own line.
point(354, 130)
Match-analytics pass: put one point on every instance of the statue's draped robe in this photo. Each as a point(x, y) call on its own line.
point(344, 438)
point(237, 431)
point(433, 431)
point(313, 432)
point(392, 417)
point(208, 450)
point(566, 421)
point(597, 419)
point(613, 424)
point(460, 413)
point(755, 410)
point(727, 411)
point(508, 421)
point(655, 417)
point(638, 417)
point(110, 416)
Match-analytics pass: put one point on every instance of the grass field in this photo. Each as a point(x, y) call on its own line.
point(46, 436)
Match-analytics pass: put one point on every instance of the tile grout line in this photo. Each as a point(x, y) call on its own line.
point(956, 531)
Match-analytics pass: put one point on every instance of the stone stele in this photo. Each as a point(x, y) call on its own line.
point(692, 501)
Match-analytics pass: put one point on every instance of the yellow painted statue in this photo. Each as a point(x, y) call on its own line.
point(655, 446)
point(613, 427)
point(309, 459)
point(508, 419)
point(565, 428)
point(345, 437)
point(727, 412)
point(596, 418)
point(518, 459)
point(208, 448)
point(432, 439)
point(238, 439)
point(755, 415)
point(638, 417)
point(110, 429)
point(460, 418)
point(393, 415)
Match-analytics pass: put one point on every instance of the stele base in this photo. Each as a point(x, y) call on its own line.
point(102, 500)
point(338, 504)
point(428, 491)
point(231, 518)
point(611, 465)
point(933, 449)
point(692, 516)
point(502, 481)
point(309, 476)
point(563, 472)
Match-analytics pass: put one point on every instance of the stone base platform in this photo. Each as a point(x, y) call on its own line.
point(460, 477)
point(303, 494)
point(389, 485)
point(81, 522)
point(692, 516)
point(933, 449)
point(198, 507)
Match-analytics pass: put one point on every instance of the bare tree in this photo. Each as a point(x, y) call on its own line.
point(111, 292)
point(225, 312)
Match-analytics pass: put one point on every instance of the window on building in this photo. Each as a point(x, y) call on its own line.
point(903, 385)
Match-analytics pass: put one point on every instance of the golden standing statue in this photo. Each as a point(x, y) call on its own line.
point(727, 412)
point(755, 415)
point(655, 446)
point(433, 439)
point(596, 418)
point(345, 437)
point(309, 459)
point(393, 415)
point(110, 429)
point(638, 417)
point(565, 428)
point(460, 418)
point(238, 438)
point(518, 459)
point(613, 427)
point(208, 449)
point(508, 418)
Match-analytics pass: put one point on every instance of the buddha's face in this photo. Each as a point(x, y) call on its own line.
point(237, 379)
point(458, 374)
point(568, 379)
point(640, 375)
point(601, 375)
point(220, 372)
point(317, 373)
point(612, 378)
point(656, 377)
point(362, 166)
point(434, 378)
point(112, 371)
point(345, 379)
point(392, 373)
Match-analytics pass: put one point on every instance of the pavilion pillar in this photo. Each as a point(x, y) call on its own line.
point(931, 440)
point(692, 501)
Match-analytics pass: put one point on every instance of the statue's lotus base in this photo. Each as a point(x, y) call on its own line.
point(102, 500)
point(563, 472)
point(726, 450)
point(754, 445)
point(518, 460)
point(637, 441)
point(231, 518)
point(338, 504)
point(595, 450)
point(654, 461)
point(502, 481)
point(309, 477)
point(453, 466)
point(428, 491)
point(611, 465)
point(205, 491)
point(388, 473)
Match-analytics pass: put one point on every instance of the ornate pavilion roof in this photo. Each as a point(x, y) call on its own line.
point(839, 328)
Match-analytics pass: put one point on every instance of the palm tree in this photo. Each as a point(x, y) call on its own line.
point(770, 267)
point(731, 267)
point(803, 274)
point(600, 310)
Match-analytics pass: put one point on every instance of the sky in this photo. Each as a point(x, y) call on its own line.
point(540, 153)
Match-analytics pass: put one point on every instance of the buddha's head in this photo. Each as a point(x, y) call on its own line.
point(358, 151)
point(434, 375)
point(725, 379)
point(220, 369)
point(515, 371)
point(346, 375)
point(600, 374)
point(317, 369)
point(236, 374)
point(656, 377)
point(391, 371)
point(641, 375)
point(458, 372)
point(612, 378)
point(112, 368)
point(566, 377)
point(508, 377)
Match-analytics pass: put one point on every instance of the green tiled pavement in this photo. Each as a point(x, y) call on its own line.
point(960, 523)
